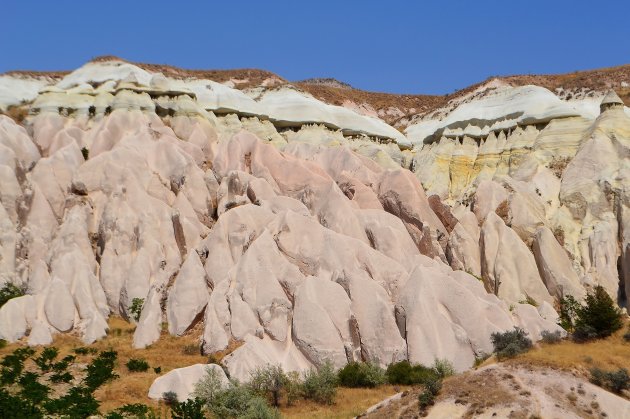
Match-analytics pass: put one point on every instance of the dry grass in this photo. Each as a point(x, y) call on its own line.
point(350, 402)
point(17, 113)
point(610, 353)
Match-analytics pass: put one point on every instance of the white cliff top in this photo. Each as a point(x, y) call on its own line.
point(503, 108)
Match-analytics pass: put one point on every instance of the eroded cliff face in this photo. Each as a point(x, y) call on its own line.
point(294, 226)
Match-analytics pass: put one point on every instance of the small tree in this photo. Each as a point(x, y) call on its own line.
point(321, 384)
point(268, 381)
point(209, 386)
point(136, 308)
point(599, 317)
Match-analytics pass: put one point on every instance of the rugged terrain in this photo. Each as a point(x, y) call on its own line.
point(293, 223)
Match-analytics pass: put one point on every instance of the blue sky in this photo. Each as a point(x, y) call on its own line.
point(429, 47)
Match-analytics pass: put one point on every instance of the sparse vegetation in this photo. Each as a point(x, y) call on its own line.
point(85, 152)
point(510, 343)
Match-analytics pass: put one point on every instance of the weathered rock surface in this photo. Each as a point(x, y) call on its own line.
point(285, 231)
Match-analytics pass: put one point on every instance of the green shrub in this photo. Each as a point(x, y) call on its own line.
point(599, 317)
point(293, 387)
point(551, 337)
point(157, 370)
point(208, 386)
point(84, 351)
point(101, 370)
point(85, 152)
point(268, 381)
point(79, 402)
point(64, 377)
point(510, 343)
point(45, 360)
point(13, 365)
point(137, 365)
point(136, 308)
point(443, 368)
point(406, 374)
point(359, 374)
point(320, 385)
point(615, 381)
point(189, 409)
point(31, 389)
point(431, 389)
point(480, 358)
point(170, 398)
point(9, 291)
point(17, 407)
point(239, 401)
point(135, 411)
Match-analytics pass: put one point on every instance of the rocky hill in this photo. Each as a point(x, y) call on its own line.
point(293, 222)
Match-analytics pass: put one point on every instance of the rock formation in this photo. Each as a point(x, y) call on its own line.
point(295, 227)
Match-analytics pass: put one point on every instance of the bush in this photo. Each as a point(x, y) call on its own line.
point(268, 382)
point(320, 385)
point(101, 370)
point(170, 398)
point(443, 368)
point(189, 409)
point(85, 152)
point(137, 365)
point(45, 360)
point(406, 374)
point(615, 381)
point(135, 411)
point(9, 291)
point(431, 389)
point(357, 374)
point(510, 343)
point(239, 401)
point(136, 308)
point(551, 337)
point(599, 317)
point(208, 386)
point(293, 387)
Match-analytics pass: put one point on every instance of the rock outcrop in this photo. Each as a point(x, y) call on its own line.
point(295, 231)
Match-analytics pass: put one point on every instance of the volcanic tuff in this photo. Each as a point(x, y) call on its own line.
point(305, 230)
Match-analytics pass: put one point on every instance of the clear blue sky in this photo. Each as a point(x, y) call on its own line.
point(394, 46)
